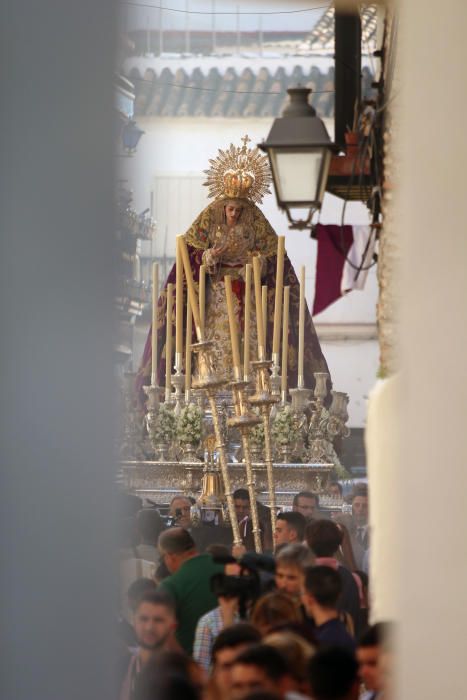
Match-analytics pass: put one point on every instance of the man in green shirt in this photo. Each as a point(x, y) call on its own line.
point(189, 583)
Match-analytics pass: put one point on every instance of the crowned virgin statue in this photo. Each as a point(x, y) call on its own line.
point(225, 236)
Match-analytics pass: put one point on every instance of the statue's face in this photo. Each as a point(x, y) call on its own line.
point(232, 214)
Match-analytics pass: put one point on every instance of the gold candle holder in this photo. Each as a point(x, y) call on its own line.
point(211, 383)
point(264, 400)
point(244, 420)
point(178, 381)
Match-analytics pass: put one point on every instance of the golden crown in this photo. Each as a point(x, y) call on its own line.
point(239, 173)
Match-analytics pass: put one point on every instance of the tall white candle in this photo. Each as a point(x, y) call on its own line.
point(259, 308)
point(155, 296)
point(192, 295)
point(202, 295)
point(246, 328)
point(264, 306)
point(276, 340)
point(301, 330)
point(189, 322)
point(285, 341)
point(179, 306)
point(168, 342)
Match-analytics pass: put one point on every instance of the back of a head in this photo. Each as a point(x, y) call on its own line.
point(166, 677)
point(274, 609)
point(218, 550)
point(265, 657)
point(324, 584)
point(333, 675)
point(176, 540)
point(323, 537)
point(295, 649)
point(294, 520)
point(234, 636)
point(150, 525)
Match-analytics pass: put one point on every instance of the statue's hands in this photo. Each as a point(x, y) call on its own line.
point(218, 251)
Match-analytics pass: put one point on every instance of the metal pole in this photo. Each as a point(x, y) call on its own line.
point(348, 58)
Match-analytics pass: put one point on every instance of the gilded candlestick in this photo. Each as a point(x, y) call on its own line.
point(264, 400)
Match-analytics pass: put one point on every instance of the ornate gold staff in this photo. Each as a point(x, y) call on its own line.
point(243, 420)
point(263, 397)
point(210, 382)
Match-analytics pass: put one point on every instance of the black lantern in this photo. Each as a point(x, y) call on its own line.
point(131, 134)
point(299, 151)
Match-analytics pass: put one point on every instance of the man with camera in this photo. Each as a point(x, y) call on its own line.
point(180, 511)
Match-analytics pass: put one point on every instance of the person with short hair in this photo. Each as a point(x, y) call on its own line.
point(357, 523)
point(332, 674)
point(137, 589)
point(335, 490)
point(260, 668)
point(170, 676)
point(324, 538)
point(180, 511)
point(242, 505)
point(227, 646)
point(368, 656)
point(291, 562)
point(306, 503)
point(189, 582)
point(154, 624)
point(321, 590)
point(297, 652)
point(125, 629)
point(290, 528)
point(214, 621)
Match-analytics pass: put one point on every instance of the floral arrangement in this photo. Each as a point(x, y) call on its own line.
point(257, 437)
point(190, 425)
point(165, 425)
point(286, 430)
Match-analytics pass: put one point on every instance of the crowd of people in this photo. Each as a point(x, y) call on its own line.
point(216, 622)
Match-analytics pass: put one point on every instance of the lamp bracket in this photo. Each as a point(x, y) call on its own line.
point(300, 224)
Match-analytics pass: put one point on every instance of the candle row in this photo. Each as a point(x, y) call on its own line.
point(178, 321)
point(281, 317)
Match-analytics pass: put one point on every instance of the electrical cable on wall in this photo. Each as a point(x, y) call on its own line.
point(223, 12)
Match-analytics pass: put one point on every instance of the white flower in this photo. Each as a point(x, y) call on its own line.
point(165, 425)
point(286, 430)
point(190, 425)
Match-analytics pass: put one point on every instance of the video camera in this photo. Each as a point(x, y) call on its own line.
point(254, 579)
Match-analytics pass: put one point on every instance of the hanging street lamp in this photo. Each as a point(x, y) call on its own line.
point(131, 134)
point(299, 151)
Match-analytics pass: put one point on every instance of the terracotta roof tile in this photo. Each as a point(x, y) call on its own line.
point(215, 95)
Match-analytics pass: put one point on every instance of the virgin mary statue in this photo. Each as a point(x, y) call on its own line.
point(225, 236)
